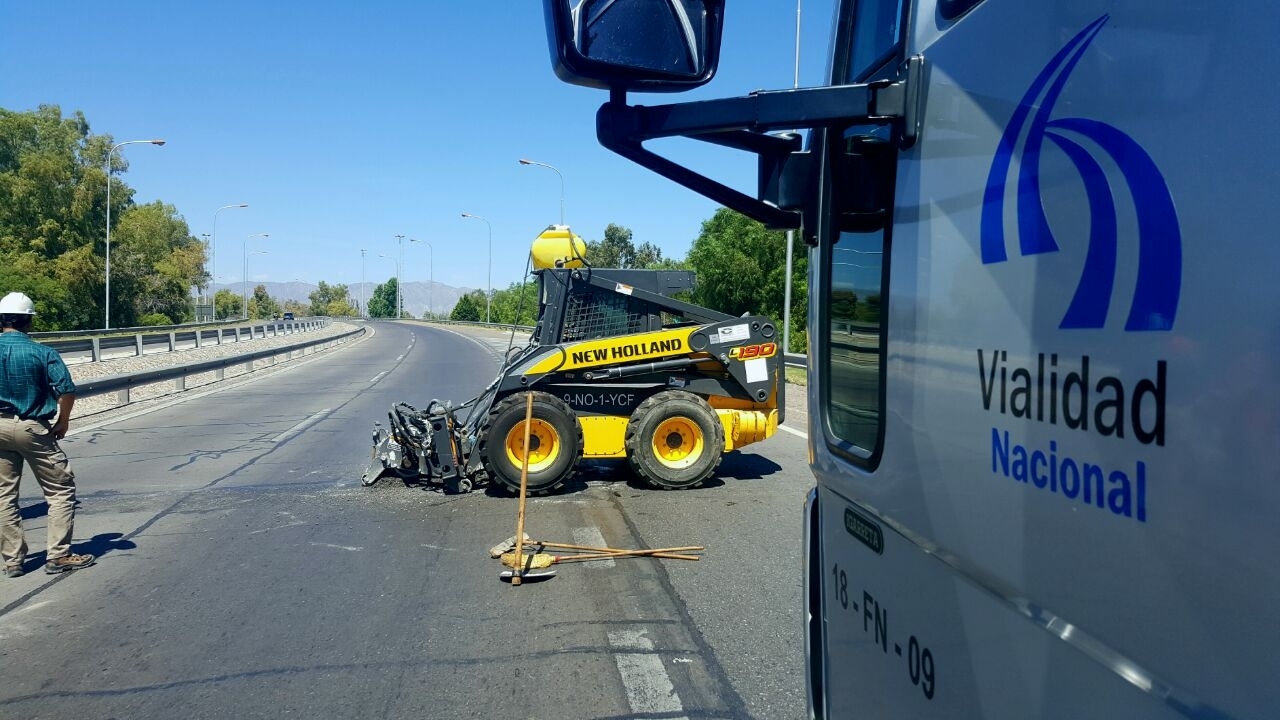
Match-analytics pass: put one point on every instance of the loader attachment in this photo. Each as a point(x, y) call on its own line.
point(419, 445)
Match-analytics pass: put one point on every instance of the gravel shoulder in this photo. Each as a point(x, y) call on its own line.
point(98, 407)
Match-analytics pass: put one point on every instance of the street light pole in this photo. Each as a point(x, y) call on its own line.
point(364, 313)
point(244, 279)
point(523, 161)
point(412, 240)
point(106, 318)
point(791, 234)
point(489, 294)
point(432, 272)
point(431, 278)
point(213, 243)
point(399, 289)
point(207, 246)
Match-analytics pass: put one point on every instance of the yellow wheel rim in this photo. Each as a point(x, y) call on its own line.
point(678, 442)
point(544, 445)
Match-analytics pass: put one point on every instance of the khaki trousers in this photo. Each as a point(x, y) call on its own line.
point(32, 441)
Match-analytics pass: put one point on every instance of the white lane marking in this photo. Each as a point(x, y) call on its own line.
point(377, 377)
point(649, 689)
point(401, 357)
point(301, 426)
point(795, 432)
point(591, 536)
point(348, 548)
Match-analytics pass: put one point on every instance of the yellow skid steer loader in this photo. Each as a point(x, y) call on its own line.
point(618, 368)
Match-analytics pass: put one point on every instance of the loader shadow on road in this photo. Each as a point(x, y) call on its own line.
point(735, 466)
point(746, 466)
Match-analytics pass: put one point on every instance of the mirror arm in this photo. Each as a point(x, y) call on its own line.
point(758, 112)
point(742, 123)
point(632, 150)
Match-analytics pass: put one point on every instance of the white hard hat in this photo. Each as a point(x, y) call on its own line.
point(15, 303)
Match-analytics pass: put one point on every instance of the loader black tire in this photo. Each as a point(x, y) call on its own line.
point(674, 440)
point(556, 440)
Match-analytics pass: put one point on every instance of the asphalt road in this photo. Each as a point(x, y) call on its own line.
point(245, 573)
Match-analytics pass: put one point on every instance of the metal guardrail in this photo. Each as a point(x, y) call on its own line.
point(493, 326)
point(125, 382)
point(96, 342)
point(126, 331)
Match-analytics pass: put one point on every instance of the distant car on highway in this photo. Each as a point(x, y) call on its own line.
point(288, 316)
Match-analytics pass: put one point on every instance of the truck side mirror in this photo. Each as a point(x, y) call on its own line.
point(643, 45)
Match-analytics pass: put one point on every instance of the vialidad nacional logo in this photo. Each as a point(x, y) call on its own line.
point(1083, 141)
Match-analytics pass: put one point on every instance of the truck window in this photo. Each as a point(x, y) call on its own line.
point(877, 30)
point(853, 284)
point(853, 294)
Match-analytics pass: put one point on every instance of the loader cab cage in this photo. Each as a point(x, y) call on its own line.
point(588, 304)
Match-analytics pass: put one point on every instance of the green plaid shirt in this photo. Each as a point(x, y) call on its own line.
point(32, 376)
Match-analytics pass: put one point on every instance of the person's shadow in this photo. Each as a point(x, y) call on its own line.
point(98, 545)
point(105, 543)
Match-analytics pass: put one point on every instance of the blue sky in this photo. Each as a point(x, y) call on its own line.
point(343, 125)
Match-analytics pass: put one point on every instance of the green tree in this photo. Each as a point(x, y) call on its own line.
point(326, 295)
point(53, 204)
point(341, 308)
point(226, 305)
point(614, 251)
point(55, 307)
point(52, 182)
point(647, 255)
point(741, 268)
point(53, 227)
point(468, 309)
point(153, 319)
point(155, 262)
point(507, 306)
point(262, 305)
point(382, 303)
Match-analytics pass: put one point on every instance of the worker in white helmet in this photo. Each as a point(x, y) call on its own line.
point(36, 396)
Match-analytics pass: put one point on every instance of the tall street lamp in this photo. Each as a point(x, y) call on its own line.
point(431, 277)
point(106, 318)
point(557, 172)
point(400, 292)
point(791, 234)
point(213, 241)
point(202, 296)
point(489, 294)
point(244, 279)
point(364, 313)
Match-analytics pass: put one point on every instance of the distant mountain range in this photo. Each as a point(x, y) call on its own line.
point(416, 294)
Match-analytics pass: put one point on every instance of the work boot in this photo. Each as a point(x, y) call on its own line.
point(13, 571)
point(67, 563)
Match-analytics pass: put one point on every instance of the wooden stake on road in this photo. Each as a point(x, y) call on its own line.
point(524, 488)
